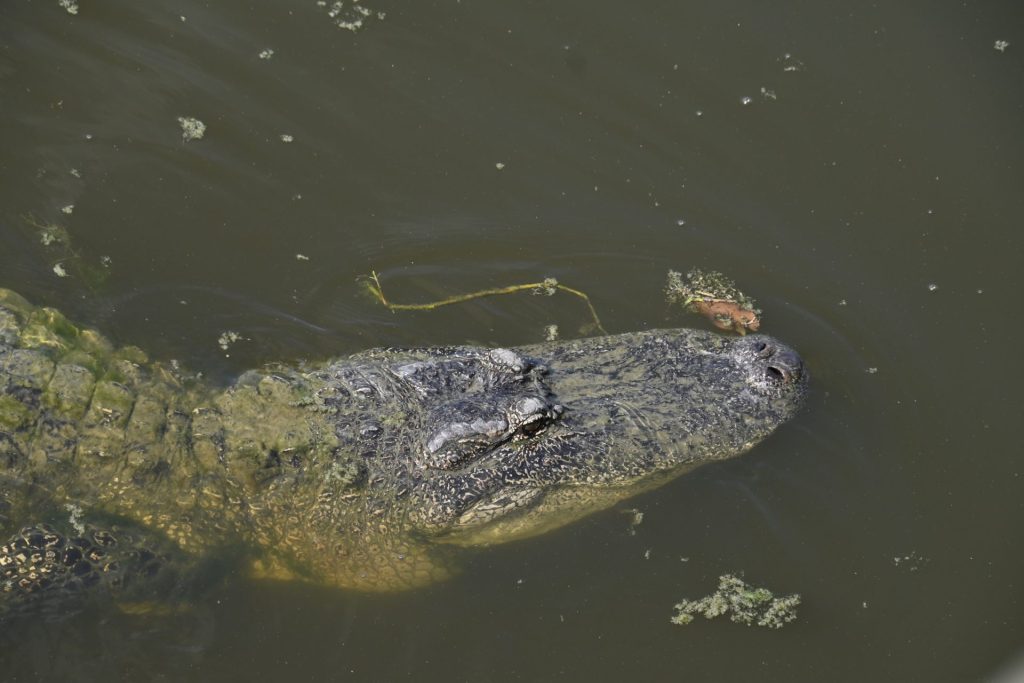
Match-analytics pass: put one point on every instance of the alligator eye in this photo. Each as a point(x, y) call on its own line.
point(533, 427)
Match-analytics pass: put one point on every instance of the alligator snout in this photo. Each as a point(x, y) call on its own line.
point(782, 365)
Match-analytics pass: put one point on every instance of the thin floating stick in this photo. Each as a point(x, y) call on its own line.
point(548, 287)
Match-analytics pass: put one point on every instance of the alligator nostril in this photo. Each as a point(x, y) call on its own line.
point(784, 367)
point(762, 349)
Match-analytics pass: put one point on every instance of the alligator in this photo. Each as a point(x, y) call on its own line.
point(366, 472)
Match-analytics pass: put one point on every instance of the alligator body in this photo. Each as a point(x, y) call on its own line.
point(363, 472)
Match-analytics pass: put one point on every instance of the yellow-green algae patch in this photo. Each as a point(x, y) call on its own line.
point(14, 415)
point(191, 128)
point(289, 428)
point(744, 604)
point(48, 329)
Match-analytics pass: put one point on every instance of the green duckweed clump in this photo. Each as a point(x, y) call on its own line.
point(743, 603)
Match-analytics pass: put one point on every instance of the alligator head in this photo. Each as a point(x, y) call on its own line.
point(574, 427)
point(466, 446)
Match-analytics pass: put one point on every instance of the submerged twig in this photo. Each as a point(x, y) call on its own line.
point(548, 287)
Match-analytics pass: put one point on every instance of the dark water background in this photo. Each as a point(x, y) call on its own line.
point(879, 154)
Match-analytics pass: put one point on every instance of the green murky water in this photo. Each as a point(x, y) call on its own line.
point(856, 168)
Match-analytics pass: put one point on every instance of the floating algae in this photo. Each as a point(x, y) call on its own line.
point(744, 604)
point(351, 16)
point(56, 244)
point(49, 233)
point(716, 297)
point(191, 128)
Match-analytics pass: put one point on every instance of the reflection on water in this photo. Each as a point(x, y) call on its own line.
point(836, 160)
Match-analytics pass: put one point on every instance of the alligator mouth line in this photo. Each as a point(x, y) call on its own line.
point(500, 506)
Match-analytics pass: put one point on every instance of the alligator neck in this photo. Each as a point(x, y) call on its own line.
point(198, 464)
point(90, 429)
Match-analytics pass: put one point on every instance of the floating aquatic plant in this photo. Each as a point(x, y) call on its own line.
point(716, 297)
point(744, 604)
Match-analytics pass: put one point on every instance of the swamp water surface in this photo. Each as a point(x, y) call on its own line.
point(854, 166)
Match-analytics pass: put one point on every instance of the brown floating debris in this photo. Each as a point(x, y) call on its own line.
point(716, 297)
